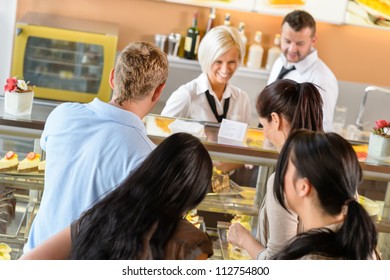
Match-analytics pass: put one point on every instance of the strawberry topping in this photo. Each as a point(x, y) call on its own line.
point(9, 155)
point(31, 155)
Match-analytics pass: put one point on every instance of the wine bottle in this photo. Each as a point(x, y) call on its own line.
point(210, 23)
point(227, 19)
point(255, 55)
point(244, 39)
point(273, 53)
point(191, 42)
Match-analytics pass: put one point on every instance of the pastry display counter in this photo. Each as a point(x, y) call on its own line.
point(20, 195)
point(254, 152)
point(244, 202)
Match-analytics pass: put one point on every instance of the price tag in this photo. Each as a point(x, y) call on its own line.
point(232, 133)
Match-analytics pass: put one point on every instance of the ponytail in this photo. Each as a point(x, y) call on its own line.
point(357, 235)
point(356, 239)
point(309, 113)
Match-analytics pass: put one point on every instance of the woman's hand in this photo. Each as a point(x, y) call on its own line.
point(238, 234)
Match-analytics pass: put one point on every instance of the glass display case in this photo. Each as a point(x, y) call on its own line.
point(63, 65)
point(374, 189)
point(67, 59)
point(20, 194)
point(244, 199)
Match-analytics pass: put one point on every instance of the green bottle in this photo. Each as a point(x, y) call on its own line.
point(191, 42)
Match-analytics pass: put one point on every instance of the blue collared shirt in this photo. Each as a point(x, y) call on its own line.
point(90, 148)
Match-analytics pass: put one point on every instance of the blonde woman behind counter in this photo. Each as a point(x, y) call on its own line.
point(220, 53)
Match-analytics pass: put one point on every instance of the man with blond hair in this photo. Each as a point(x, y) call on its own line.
point(90, 148)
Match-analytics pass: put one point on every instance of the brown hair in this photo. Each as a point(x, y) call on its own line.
point(139, 69)
point(299, 103)
point(299, 20)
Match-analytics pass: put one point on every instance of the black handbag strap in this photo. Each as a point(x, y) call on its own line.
point(213, 107)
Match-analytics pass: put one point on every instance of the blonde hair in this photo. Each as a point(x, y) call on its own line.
point(140, 68)
point(218, 41)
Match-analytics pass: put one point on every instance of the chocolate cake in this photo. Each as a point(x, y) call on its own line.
point(7, 208)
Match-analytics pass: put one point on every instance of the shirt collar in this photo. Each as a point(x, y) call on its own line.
point(115, 114)
point(203, 84)
point(303, 65)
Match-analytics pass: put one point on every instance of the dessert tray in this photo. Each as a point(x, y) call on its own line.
point(18, 173)
point(29, 181)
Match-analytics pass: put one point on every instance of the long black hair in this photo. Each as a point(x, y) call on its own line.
point(173, 179)
point(299, 103)
point(330, 164)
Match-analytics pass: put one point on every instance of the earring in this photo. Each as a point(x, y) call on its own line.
point(272, 130)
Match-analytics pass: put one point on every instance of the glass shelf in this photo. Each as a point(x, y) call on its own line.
point(25, 181)
point(62, 64)
point(231, 204)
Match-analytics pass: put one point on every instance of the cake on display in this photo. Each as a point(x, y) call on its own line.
point(9, 162)
point(235, 252)
point(30, 163)
point(7, 208)
point(379, 142)
point(5, 252)
point(18, 96)
point(42, 166)
point(220, 181)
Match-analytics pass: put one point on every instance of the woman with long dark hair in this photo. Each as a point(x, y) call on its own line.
point(142, 218)
point(283, 107)
point(317, 176)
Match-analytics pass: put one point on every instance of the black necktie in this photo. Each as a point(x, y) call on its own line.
point(213, 107)
point(284, 72)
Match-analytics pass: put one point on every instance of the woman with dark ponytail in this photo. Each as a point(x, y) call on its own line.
point(283, 107)
point(142, 218)
point(317, 176)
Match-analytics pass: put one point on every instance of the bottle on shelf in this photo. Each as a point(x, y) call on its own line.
point(273, 52)
point(210, 23)
point(227, 19)
point(192, 39)
point(241, 29)
point(255, 54)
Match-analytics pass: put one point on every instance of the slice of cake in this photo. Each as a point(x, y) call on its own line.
point(30, 163)
point(5, 252)
point(9, 162)
point(235, 252)
point(7, 207)
point(42, 166)
point(220, 181)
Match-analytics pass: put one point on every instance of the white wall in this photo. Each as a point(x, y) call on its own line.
point(7, 23)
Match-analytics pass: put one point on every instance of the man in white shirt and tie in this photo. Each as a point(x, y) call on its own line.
point(299, 61)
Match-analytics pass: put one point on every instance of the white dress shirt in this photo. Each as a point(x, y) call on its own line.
point(190, 101)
